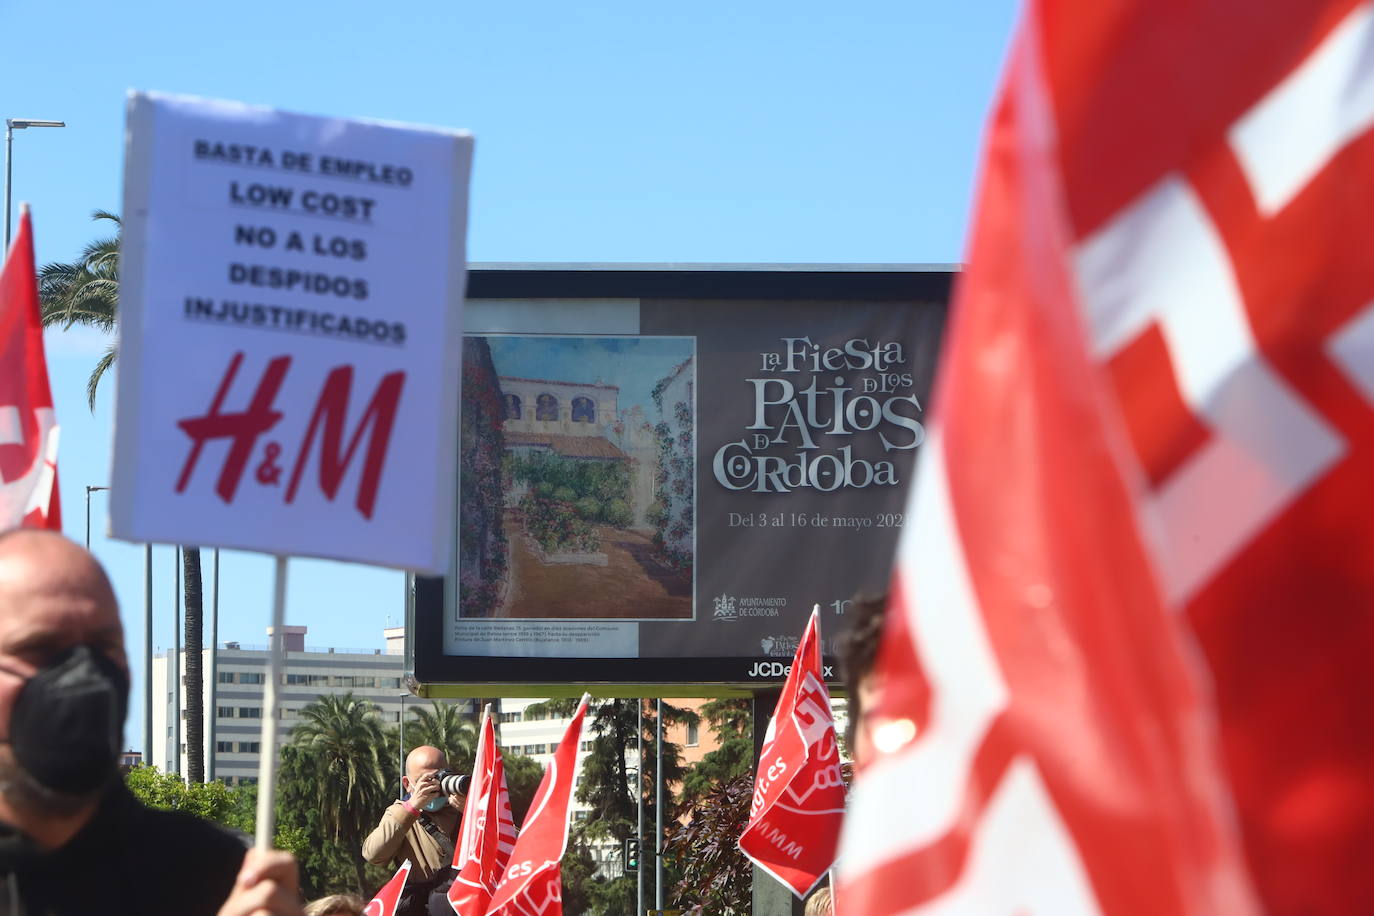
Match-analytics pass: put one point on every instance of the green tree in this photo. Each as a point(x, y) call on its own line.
point(448, 727)
point(339, 758)
point(234, 808)
point(732, 721)
point(328, 864)
point(579, 889)
point(523, 776)
point(86, 292)
point(167, 791)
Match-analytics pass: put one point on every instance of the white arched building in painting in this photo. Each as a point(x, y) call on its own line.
point(581, 421)
point(543, 408)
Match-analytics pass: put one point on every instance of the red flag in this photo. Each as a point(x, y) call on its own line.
point(794, 819)
point(1156, 398)
point(28, 423)
point(533, 883)
point(384, 904)
point(488, 834)
point(1161, 370)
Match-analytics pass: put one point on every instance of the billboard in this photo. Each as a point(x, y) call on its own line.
point(664, 469)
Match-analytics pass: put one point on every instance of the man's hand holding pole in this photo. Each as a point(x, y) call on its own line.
point(268, 885)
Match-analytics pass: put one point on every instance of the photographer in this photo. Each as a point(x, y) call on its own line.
point(421, 827)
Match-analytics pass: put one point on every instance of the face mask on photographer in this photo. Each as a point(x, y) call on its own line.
point(434, 804)
point(68, 721)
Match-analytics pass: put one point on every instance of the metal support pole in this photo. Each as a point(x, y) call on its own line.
point(267, 743)
point(176, 664)
point(213, 712)
point(639, 804)
point(9, 174)
point(658, 810)
point(148, 654)
point(401, 747)
point(89, 490)
point(771, 897)
point(12, 124)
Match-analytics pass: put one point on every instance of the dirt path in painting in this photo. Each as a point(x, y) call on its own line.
point(631, 584)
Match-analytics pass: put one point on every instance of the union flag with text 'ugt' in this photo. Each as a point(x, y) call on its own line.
point(488, 832)
point(1155, 435)
point(533, 882)
point(28, 423)
point(798, 804)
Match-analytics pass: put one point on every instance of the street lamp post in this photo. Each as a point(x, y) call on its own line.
point(11, 125)
point(89, 491)
point(401, 747)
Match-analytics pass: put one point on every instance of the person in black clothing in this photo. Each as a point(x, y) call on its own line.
point(72, 837)
point(859, 662)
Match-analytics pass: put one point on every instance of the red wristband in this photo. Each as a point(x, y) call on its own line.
point(405, 803)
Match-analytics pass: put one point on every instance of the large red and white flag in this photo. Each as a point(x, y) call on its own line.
point(488, 832)
point(794, 818)
point(1155, 434)
point(533, 882)
point(389, 897)
point(28, 423)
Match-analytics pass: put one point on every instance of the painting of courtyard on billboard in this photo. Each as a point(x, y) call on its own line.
point(577, 478)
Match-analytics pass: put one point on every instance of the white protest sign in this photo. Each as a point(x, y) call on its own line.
point(290, 330)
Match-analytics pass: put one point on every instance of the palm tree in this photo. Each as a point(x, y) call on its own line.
point(447, 727)
point(343, 744)
point(195, 696)
point(86, 292)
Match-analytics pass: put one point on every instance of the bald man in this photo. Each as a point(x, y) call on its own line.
point(72, 837)
point(421, 827)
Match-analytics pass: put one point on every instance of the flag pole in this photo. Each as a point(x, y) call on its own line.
point(468, 827)
point(639, 804)
point(148, 654)
point(175, 765)
point(658, 808)
point(267, 760)
point(211, 741)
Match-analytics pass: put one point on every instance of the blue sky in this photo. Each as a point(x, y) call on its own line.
point(633, 364)
point(606, 131)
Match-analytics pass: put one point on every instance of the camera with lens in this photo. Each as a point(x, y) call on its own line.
point(451, 783)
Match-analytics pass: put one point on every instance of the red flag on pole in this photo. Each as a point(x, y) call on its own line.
point(533, 882)
point(28, 423)
point(1156, 397)
point(387, 899)
point(488, 834)
point(794, 819)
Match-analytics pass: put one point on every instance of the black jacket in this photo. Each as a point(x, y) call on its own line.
point(128, 859)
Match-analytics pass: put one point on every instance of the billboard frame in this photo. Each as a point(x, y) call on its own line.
point(436, 674)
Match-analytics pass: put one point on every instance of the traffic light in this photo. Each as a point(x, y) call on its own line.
point(632, 853)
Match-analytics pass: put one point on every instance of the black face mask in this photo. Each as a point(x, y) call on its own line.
point(68, 721)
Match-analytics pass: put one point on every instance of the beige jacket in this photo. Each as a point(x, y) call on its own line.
point(400, 835)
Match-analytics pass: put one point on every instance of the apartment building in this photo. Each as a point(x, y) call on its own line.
point(236, 703)
point(536, 735)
